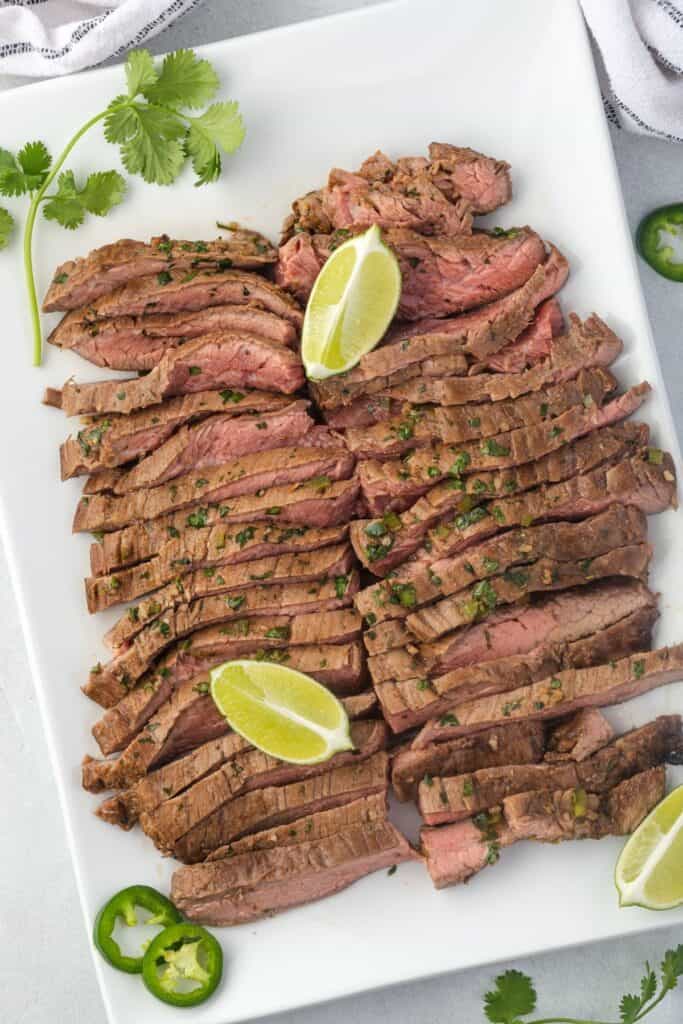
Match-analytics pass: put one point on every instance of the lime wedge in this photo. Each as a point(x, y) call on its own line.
point(649, 871)
point(282, 712)
point(352, 303)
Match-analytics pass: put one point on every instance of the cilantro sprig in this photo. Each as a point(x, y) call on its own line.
point(158, 124)
point(514, 996)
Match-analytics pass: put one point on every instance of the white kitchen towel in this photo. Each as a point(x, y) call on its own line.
point(639, 53)
point(54, 37)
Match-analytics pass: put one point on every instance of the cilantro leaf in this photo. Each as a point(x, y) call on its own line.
point(140, 72)
point(672, 968)
point(219, 126)
point(35, 161)
point(6, 227)
point(102, 191)
point(629, 1008)
point(513, 996)
point(648, 985)
point(184, 80)
point(149, 137)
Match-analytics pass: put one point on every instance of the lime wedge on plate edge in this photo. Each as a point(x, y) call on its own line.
point(649, 871)
point(352, 303)
point(282, 712)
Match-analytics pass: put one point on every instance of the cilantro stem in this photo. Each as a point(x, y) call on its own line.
point(36, 200)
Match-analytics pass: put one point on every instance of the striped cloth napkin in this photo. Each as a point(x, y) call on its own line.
point(43, 38)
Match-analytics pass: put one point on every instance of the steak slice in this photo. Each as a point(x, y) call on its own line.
point(81, 281)
point(209, 363)
point(279, 805)
point(110, 441)
point(455, 853)
point(520, 743)
point(460, 171)
point(441, 276)
point(215, 441)
point(185, 580)
point(533, 344)
point(339, 665)
point(396, 596)
point(453, 797)
point(176, 292)
point(578, 736)
point(244, 475)
point(257, 884)
point(107, 684)
point(572, 689)
point(384, 542)
point(139, 342)
point(426, 686)
point(247, 771)
point(418, 426)
point(176, 776)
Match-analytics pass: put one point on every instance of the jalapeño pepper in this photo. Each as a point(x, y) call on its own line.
point(180, 954)
point(654, 249)
point(123, 906)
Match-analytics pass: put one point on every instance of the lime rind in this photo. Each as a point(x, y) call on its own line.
point(352, 303)
point(284, 713)
point(649, 871)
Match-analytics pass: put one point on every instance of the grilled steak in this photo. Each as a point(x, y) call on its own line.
point(572, 689)
point(460, 171)
point(174, 777)
point(578, 736)
point(520, 743)
point(533, 344)
point(292, 566)
point(397, 596)
point(139, 342)
point(215, 441)
point(455, 853)
point(428, 684)
point(247, 771)
point(209, 363)
point(278, 805)
point(241, 476)
point(454, 797)
point(251, 885)
point(107, 442)
point(441, 276)
point(108, 683)
point(418, 426)
point(338, 665)
point(81, 281)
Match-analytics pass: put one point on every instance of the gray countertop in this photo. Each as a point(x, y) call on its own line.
point(45, 967)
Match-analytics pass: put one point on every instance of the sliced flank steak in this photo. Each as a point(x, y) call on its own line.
point(186, 579)
point(519, 744)
point(453, 797)
point(109, 683)
point(397, 596)
point(455, 853)
point(420, 425)
point(441, 276)
point(111, 441)
point(340, 666)
point(279, 805)
point(167, 780)
point(81, 281)
point(248, 770)
point(423, 688)
point(569, 690)
point(404, 521)
point(579, 736)
point(215, 441)
point(176, 291)
point(636, 482)
point(210, 363)
point(241, 476)
point(139, 342)
point(269, 879)
point(533, 344)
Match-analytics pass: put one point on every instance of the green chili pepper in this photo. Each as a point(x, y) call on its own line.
point(123, 905)
point(181, 953)
point(653, 248)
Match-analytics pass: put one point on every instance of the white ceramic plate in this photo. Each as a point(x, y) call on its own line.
point(513, 80)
